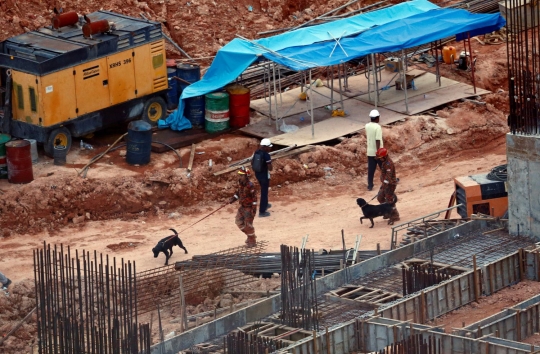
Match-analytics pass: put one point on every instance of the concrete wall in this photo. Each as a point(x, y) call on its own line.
point(523, 155)
point(219, 327)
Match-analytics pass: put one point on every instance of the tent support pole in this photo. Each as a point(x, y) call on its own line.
point(311, 105)
point(340, 90)
point(404, 80)
point(331, 89)
point(275, 96)
point(368, 75)
point(435, 52)
point(375, 79)
point(269, 97)
point(471, 60)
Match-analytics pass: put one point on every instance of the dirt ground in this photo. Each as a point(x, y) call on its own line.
point(488, 306)
point(123, 210)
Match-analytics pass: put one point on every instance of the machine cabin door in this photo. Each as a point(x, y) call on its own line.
point(121, 77)
point(92, 86)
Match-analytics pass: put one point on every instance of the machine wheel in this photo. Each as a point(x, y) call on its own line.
point(154, 109)
point(60, 136)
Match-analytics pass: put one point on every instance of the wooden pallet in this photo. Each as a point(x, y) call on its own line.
point(361, 296)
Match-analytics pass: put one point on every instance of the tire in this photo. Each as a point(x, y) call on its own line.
point(59, 136)
point(154, 109)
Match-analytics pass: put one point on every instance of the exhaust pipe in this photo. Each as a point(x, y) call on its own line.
point(65, 19)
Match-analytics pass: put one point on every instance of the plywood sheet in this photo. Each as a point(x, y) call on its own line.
point(423, 84)
point(326, 130)
point(266, 128)
point(290, 104)
point(358, 111)
point(358, 85)
point(436, 98)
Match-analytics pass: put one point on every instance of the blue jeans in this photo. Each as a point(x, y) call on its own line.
point(265, 184)
point(3, 279)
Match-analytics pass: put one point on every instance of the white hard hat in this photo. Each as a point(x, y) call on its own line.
point(374, 114)
point(266, 142)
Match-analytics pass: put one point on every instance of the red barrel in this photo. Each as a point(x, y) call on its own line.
point(91, 28)
point(238, 105)
point(65, 19)
point(19, 161)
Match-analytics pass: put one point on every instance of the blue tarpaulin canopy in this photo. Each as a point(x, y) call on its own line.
point(391, 29)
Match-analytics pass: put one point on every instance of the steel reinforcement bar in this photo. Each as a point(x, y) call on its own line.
point(86, 304)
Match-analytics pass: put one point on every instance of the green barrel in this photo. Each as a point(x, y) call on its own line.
point(217, 112)
point(4, 138)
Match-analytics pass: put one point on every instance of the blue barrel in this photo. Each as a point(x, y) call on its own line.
point(189, 73)
point(172, 93)
point(139, 143)
point(194, 111)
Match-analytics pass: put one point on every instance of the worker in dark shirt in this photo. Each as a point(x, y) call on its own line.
point(263, 175)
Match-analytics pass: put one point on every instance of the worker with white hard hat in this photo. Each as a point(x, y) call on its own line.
point(261, 164)
point(374, 143)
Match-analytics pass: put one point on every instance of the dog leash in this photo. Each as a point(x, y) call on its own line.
point(376, 195)
point(221, 207)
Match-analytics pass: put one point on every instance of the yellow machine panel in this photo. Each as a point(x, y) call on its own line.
point(26, 105)
point(143, 74)
point(157, 56)
point(121, 77)
point(57, 105)
point(92, 86)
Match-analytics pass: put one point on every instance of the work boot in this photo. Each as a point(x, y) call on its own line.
point(268, 206)
point(263, 215)
point(5, 286)
point(251, 241)
point(391, 221)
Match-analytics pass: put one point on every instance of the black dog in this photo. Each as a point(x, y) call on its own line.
point(165, 245)
point(374, 211)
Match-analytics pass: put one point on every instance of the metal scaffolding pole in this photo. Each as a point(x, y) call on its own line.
point(275, 96)
point(340, 89)
point(404, 80)
point(311, 104)
point(375, 78)
point(269, 97)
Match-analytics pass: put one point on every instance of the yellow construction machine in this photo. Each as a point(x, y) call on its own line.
point(80, 75)
point(482, 194)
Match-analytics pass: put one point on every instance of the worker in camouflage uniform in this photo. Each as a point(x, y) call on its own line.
point(247, 195)
point(389, 183)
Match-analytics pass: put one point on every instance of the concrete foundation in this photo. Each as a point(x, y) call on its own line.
point(405, 316)
point(523, 154)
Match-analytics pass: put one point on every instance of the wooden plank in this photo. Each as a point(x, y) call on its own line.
point(286, 154)
point(191, 157)
point(181, 139)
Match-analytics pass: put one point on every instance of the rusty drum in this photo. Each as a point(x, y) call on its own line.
point(19, 161)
